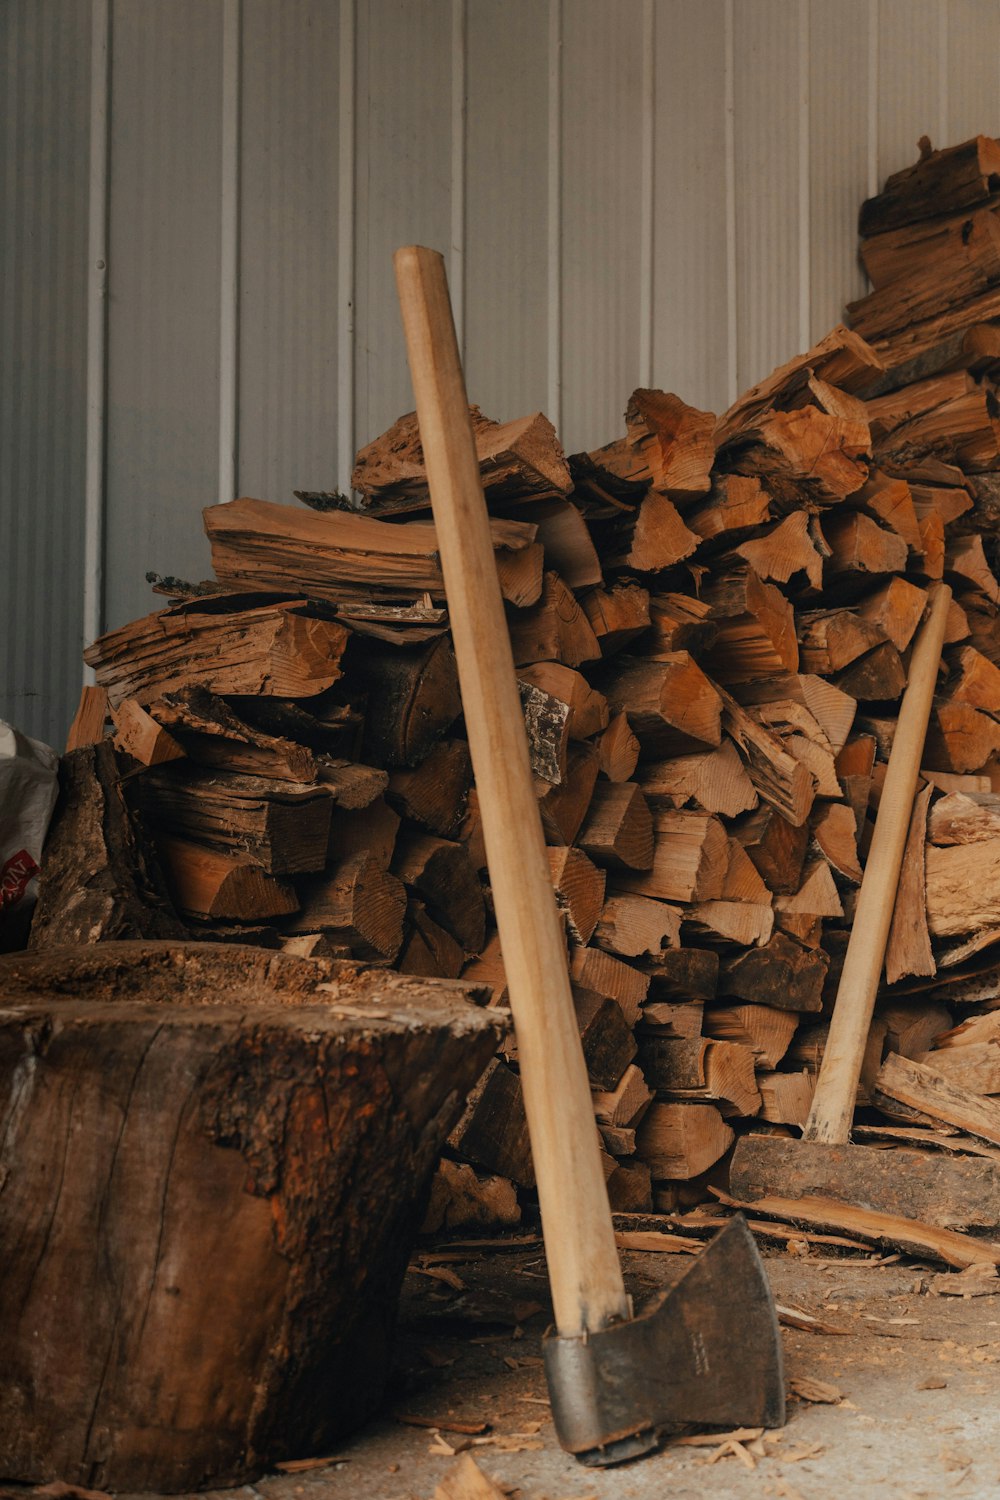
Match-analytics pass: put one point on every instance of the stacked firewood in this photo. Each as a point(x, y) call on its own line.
point(711, 621)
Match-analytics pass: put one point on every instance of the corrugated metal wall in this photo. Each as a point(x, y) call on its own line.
point(628, 192)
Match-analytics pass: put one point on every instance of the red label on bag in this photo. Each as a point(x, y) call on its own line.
point(15, 874)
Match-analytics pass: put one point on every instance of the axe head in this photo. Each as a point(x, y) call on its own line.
point(706, 1353)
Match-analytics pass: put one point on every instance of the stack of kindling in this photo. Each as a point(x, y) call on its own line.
point(711, 621)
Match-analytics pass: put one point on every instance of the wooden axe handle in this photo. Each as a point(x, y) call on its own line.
point(832, 1112)
point(587, 1288)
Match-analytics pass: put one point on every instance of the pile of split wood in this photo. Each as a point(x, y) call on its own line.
point(711, 620)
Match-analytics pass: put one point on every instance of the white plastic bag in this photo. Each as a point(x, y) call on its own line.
point(29, 785)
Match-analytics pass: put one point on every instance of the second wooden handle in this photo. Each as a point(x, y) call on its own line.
point(832, 1110)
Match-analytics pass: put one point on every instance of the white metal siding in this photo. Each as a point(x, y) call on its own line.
point(627, 191)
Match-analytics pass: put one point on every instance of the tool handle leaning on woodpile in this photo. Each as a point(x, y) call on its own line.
point(587, 1288)
point(832, 1109)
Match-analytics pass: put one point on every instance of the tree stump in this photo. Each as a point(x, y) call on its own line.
point(213, 1162)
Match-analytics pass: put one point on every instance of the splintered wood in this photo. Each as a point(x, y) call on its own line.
point(711, 620)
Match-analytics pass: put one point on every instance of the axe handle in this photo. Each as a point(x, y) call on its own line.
point(587, 1287)
point(832, 1112)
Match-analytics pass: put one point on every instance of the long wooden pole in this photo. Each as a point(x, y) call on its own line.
point(833, 1103)
point(587, 1288)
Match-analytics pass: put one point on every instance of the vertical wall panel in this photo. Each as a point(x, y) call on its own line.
point(163, 336)
point(910, 80)
point(768, 210)
point(288, 249)
point(972, 61)
point(838, 156)
point(44, 108)
point(690, 321)
point(600, 191)
point(506, 265)
point(403, 183)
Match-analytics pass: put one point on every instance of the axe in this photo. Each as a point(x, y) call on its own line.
point(707, 1352)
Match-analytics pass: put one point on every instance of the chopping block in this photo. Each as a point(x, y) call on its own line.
point(214, 1163)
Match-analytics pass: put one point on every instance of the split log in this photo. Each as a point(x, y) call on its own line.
point(816, 896)
point(920, 1185)
point(137, 734)
point(713, 780)
point(370, 829)
point(975, 1067)
point(209, 883)
point(690, 859)
point(786, 1098)
point(889, 500)
point(278, 649)
point(204, 1159)
point(630, 1188)
point(804, 457)
point(652, 538)
point(764, 1029)
point(554, 629)
point(618, 829)
point(564, 807)
point(588, 709)
point(778, 777)
point(566, 541)
point(911, 1025)
point(835, 830)
point(591, 969)
point(964, 818)
point(617, 614)
point(519, 460)
point(908, 951)
point(922, 1088)
point(803, 739)
point(975, 680)
point(689, 974)
point(777, 848)
point(737, 506)
point(492, 1131)
point(965, 562)
point(830, 640)
point(282, 826)
point(212, 733)
point(877, 677)
point(678, 623)
point(427, 950)
point(463, 1199)
point(579, 888)
point(842, 359)
point(345, 556)
point(634, 926)
point(721, 1072)
point(897, 609)
point(606, 1038)
point(940, 182)
point(859, 547)
point(783, 974)
point(668, 446)
point(435, 793)
point(680, 1141)
point(441, 871)
point(737, 922)
point(100, 878)
point(626, 1103)
point(960, 738)
point(963, 888)
point(89, 720)
point(618, 750)
point(413, 697)
point(671, 705)
point(756, 628)
point(786, 550)
point(680, 1020)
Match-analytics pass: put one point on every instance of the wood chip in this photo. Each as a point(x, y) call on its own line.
point(466, 1481)
point(441, 1424)
point(933, 1383)
point(289, 1466)
point(817, 1392)
point(794, 1317)
point(712, 1439)
point(440, 1273)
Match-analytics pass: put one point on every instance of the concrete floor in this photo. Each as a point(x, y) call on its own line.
point(918, 1374)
